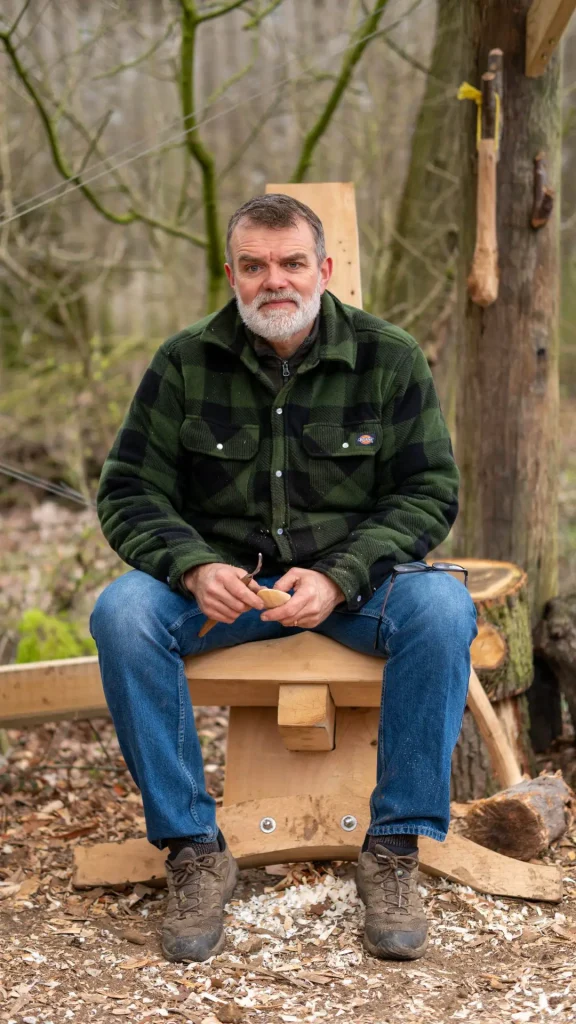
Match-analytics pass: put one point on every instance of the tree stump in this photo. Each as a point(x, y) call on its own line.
point(523, 820)
point(503, 660)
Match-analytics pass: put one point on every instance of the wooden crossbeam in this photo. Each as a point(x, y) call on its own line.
point(546, 22)
point(309, 828)
point(247, 676)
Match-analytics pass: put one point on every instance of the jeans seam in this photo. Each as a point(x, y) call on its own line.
point(182, 681)
point(183, 618)
point(393, 630)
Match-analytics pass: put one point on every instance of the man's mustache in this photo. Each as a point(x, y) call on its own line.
point(278, 297)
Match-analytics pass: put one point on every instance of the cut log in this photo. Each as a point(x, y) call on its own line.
point(308, 828)
point(523, 820)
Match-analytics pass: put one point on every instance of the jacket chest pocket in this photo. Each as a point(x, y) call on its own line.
point(219, 464)
point(342, 463)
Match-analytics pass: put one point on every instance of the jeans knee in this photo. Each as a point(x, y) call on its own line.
point(443, 606)
point(123, 606)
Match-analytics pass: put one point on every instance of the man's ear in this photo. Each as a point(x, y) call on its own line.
point(229, 274)
point(326, 272)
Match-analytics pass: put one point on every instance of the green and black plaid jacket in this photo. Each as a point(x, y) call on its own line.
point(348, 469)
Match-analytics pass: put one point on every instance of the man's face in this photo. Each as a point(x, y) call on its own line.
point(276, 277)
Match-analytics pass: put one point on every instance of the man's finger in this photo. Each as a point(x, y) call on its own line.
point(293, 609)
point(288, 581)
point(243, 593)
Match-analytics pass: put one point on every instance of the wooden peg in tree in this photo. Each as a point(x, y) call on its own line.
point(483, 279)
point(543, 195)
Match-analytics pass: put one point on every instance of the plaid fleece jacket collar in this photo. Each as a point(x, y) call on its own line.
point(347, 470)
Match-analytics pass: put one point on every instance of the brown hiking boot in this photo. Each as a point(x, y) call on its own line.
point(198, 889)
point(396, 927)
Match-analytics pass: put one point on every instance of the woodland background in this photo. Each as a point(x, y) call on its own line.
point(173, 123)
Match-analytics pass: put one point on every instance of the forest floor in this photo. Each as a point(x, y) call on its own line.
point(294, 948)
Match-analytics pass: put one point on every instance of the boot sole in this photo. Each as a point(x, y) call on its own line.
point(381, 954)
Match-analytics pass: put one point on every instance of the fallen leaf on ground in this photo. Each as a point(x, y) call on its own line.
point(231, 1013)
point(135, 965)
point(6, 891)
point(131, 935)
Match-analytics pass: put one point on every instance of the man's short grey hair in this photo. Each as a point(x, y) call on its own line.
point(276, 210)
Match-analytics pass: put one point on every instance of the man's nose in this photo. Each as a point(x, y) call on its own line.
point(275, 279)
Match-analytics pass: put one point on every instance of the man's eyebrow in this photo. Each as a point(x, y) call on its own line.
point(246, 258)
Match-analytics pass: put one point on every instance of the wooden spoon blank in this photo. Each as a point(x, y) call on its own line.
point(273, 598)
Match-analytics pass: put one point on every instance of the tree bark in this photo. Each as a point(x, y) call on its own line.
point(507, 417)
point(523, 820)
point(420, 286)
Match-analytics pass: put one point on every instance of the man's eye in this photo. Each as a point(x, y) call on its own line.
point(294, 263)
point(253, 266)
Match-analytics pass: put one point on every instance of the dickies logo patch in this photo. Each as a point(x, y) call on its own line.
point(365, 439)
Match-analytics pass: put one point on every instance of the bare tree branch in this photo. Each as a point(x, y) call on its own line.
point(69, 175)
point(363, 35)
point(143, 56)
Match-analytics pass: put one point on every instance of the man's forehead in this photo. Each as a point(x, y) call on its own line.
point(257, 239)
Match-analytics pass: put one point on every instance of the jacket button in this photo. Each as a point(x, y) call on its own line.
point(345, 445)
point(219, 447)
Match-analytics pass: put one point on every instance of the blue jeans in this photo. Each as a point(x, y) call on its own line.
point(143, 629)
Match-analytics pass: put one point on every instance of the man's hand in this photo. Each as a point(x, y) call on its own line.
point(315, 597)
point(219, 592)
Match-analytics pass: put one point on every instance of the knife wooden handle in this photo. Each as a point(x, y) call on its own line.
point(271, 599)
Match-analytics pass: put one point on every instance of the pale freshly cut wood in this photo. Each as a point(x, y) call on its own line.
point(309, 828)
point(306, 716)
point(483, 278)
point(489, 648)
point(273, 598)
point(546, 22)
point(46, 691)
point(506, 767)
point(335, 204)
point(251, 673)
point(523, 820)
point(260, 767)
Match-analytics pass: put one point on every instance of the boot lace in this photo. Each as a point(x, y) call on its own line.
point(188, 888)
point(394, 874)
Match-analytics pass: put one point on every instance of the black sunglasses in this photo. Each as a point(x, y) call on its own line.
point(409, 567)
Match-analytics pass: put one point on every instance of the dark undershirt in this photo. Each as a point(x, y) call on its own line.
point(276, 369)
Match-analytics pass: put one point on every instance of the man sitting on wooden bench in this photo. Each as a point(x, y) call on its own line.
point(290, 424)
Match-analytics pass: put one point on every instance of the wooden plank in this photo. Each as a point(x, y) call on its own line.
point(335, 204)
point(46, 691)
point(306, 717)
point(309, 828)
point(546, 22)
point(347, 772)
point(506, 767)
point(249, 675)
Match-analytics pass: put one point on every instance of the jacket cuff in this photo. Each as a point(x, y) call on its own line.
point(181, 566)
point(350, 575)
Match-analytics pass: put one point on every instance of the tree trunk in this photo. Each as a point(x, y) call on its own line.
point(420, 283)
point(507, 419)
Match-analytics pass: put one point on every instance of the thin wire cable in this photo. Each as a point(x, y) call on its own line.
point(133, 145)
point(68, 187)
point(46, 485)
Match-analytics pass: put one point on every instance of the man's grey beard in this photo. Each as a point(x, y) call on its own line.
point(280, 324)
